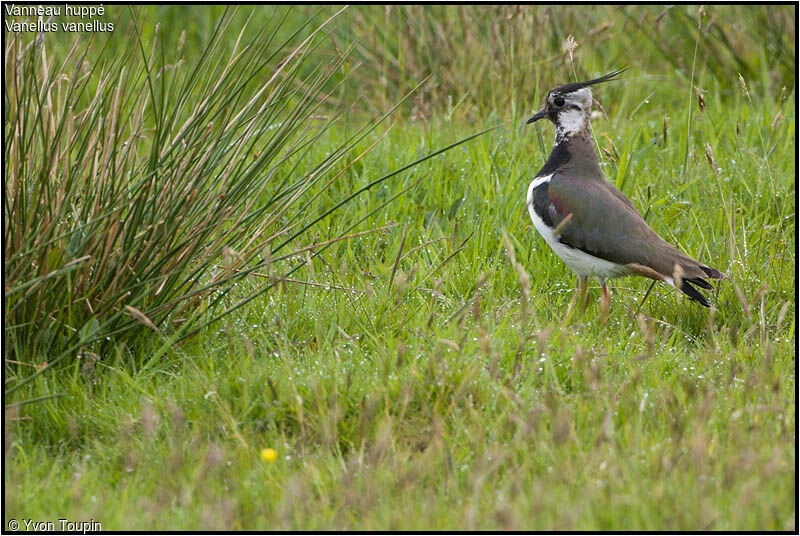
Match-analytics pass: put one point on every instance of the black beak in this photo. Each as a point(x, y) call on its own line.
point(541, 114)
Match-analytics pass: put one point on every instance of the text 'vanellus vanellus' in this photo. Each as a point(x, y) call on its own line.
point(589, 223)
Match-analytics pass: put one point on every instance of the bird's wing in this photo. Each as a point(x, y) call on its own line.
point(604, 224)
point(622, 197)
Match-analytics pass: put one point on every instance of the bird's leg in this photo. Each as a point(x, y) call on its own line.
point(584, 288)
point(605, 302)
point(580, 289)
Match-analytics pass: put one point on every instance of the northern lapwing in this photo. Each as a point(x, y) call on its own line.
point(588, 222)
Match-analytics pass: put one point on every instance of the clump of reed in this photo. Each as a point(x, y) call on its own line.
point(142, 187)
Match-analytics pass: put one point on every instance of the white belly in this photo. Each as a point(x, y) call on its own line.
point(581, 263)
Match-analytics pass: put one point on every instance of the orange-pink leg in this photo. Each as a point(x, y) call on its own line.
point(605, 301)
point(580, 288)
point(583, 288)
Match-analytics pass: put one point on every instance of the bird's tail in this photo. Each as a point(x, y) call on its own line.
point(688, 284)
point(690, 272)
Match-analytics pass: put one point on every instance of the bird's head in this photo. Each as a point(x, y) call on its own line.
point(569, 106)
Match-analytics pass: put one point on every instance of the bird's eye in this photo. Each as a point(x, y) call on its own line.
point(558, 101)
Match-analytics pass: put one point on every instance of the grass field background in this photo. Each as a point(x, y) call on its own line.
point(417, 376)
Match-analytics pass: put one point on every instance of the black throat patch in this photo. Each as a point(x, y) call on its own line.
point(558, 158)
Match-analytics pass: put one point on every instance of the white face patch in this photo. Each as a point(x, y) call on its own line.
point(583, 97)
point(573, 116)
point(570, 121)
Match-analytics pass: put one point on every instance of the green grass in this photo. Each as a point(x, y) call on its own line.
point(427, 382)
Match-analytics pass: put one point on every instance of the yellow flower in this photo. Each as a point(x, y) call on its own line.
point(269, 455)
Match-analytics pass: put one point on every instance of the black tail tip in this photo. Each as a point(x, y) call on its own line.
point(712, 272)
point(695, 294)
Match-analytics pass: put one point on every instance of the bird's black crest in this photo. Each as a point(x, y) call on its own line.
point(575, 86)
